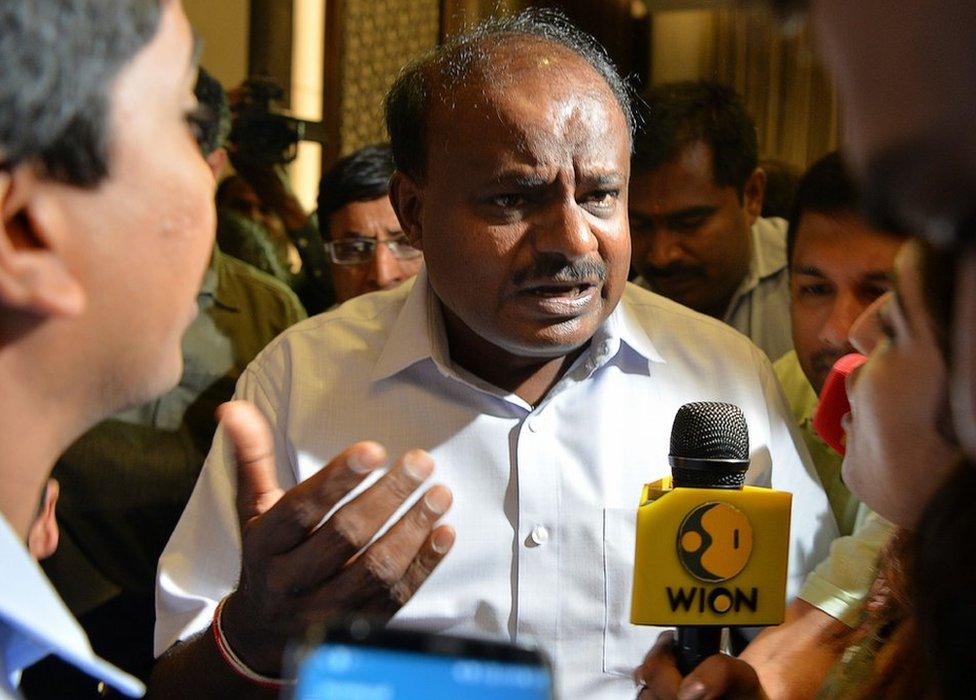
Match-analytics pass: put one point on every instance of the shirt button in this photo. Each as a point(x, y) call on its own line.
point(530, 424)
point(539, 535)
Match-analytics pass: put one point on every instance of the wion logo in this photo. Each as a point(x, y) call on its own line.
point(714, 543)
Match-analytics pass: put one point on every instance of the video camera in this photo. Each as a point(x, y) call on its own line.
point(264, 133)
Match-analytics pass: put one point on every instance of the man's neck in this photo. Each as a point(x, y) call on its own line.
point(33, 434)
point(529, 378)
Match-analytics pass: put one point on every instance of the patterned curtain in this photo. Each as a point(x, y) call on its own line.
point(782, 82)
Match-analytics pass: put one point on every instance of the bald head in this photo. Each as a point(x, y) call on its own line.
point(484, 62)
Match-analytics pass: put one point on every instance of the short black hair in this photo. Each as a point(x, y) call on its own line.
point(677, 115)
point(361, 176)
point(782, 179)
point(59, 60)
point(450, 66)
point(213, 121)
point(827, 187)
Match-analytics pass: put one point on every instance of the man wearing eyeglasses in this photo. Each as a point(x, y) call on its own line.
point(366, 247)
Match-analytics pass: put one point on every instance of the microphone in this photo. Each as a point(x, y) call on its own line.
point(833, 403)
point(710, 552)
point(709, 450)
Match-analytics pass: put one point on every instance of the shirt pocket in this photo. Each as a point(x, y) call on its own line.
point(624, 644)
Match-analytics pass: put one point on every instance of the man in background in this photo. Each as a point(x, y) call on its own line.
point(367, 248)
point(696, 195)
point(106, 225)
point(126, 481)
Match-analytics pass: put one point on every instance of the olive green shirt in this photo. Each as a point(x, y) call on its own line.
point(840, 583)
point(126, 481)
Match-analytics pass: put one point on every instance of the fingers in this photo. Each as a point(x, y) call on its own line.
point(722, 676)
point(301, 509)
point(387, 574)
point(659, 673)
point(440, 543)
point(257, 480)
point(355, 524)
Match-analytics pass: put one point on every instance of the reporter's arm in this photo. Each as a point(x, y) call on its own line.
point(792, 659)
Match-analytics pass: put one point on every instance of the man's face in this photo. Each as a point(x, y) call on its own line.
point(363, 224)
point(691, 235)
point(522, 216)
point(840, 266)
point(143, 237)
point(904, 77)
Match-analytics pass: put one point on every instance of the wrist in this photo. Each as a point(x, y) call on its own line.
point(260, 663)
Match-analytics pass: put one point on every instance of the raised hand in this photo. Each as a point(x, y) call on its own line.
point(297, 569)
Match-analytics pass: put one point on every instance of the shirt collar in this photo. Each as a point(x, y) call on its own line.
point(419, 334)
point(215, 282)
point(768, 253)
point(409, 339)
point(767, 258)
point(34, 622)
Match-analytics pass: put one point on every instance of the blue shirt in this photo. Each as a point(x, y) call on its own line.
point(34, 622)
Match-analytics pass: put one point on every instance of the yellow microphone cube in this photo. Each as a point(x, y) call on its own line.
point(710, 556)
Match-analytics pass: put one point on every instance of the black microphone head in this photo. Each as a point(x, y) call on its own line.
point(709, 445)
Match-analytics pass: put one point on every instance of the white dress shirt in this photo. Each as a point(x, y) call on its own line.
point(34, 622)
point(760, 306)
point(544, 498)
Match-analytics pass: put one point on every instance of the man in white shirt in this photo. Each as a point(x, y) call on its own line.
point(539, 381)
point(696, 194)
point(106, 230)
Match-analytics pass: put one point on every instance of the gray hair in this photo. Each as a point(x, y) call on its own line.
point(59, 60)
point(449, 66)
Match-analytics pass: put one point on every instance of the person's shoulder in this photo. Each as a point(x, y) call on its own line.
point(246, 274)
point(359, 325)
point(787, 368)
point(256, 289)
point(662, 317)
point(771, 234)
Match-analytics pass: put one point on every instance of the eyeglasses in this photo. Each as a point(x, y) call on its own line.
point(360, 250)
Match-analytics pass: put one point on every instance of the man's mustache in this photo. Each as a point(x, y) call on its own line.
point(559, 269)
point(823, 360)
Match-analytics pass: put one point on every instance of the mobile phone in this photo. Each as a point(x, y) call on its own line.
point(358, 660)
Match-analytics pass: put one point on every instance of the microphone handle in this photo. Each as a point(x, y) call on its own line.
point(695, 643)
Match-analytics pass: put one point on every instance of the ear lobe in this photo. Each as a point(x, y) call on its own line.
point(42, 538)
point(217, 162)
point(33, 275)
point(407, 200)
point(753, 194)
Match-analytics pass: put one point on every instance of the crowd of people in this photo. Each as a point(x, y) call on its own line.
point(435, 399)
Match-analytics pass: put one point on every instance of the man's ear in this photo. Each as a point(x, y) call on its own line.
point(217, 161)
point(42, 538)
point(753, 194)
point(407, 198)
point(34, 276)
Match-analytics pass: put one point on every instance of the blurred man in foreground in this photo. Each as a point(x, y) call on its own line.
point(126, 481)
point(107, 225)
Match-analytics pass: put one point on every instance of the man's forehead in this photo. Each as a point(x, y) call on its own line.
point(535, 121)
